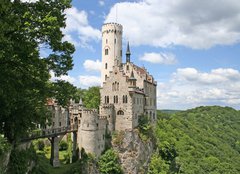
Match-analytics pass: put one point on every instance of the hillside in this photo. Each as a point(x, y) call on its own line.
point(201, 140)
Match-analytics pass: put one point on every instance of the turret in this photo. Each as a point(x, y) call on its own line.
point(128, 53)
point(132, 80)
point(111, 48)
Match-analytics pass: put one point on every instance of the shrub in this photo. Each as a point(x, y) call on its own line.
point(109, 163)
point(63, 145)
point(40, 145)
point(118, 137)
point(144, 127)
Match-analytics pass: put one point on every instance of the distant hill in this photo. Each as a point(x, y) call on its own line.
point(201, 140)
point(168, 111)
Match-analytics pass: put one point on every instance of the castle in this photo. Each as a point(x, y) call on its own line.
point(127, 92)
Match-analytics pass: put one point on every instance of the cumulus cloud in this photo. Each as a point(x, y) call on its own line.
point(190, 88)
point(62, 77)
point(216, 76)
point(161, 58)
point(196, 24)
point(77, 24)
point(88, 81)
point(91, 65)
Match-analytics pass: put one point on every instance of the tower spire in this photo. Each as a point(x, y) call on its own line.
point(128, 53)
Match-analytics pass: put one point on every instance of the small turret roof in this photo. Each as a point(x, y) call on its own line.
point(128, 50)
point(132, 76)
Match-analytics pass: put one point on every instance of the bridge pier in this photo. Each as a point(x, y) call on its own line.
point(74, 155)
point(54, 160)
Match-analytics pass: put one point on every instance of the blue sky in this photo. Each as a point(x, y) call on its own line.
point(190, 47)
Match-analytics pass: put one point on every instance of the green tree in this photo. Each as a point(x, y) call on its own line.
point(25, 29)
point(108, 163)
point(92, 97)
point(200, 140)
point(157, 165)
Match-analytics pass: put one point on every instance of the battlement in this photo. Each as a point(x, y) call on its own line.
point(90, 111)
point(112, 27)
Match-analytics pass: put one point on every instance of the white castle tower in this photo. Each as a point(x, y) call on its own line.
point(111, 48)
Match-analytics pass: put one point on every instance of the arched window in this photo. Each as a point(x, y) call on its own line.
point(106, 77)
point(107, 99)
point(126, 99)
point(116, 99)
point(120, 112)
point(75, 121)
point(105, 65)
point(123, 99)
point(106, 51)
point(106, 41)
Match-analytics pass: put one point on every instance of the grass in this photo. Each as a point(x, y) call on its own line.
point(63, 169)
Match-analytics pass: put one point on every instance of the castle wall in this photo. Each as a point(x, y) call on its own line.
point(107, 110)
point(59, 116)
point(91, 135)
point(146, 82)
point(138, 107)
point(117, 86)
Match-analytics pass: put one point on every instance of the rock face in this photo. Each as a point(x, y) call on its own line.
point(134, 154)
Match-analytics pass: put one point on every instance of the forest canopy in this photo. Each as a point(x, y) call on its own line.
point(201, 140)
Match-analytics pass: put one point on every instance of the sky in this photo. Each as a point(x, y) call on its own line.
point(191, 48)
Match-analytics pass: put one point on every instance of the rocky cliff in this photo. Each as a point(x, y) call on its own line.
point(134, 153)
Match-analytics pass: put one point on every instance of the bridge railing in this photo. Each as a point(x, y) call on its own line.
point(51, 132)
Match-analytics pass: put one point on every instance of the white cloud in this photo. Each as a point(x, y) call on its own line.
point(195, 24)
point(190, 88)
point(88, 81)
point(62, 77)
point(161, 58)
point(216, 76)
point(77, 25)
point(101, 3)
point(91, 65)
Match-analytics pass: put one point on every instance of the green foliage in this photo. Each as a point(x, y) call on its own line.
point(40, 145)
point(157, 165)
point(117, 137)
point(20, 160)
point(4, 145)
point(26, 29)
point(201, 140)
point(63, 92)
point(144, 127)
point(63, 145)
point(90, 96)
point(108, 163)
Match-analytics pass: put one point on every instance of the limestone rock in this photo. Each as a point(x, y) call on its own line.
point(134, 153)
